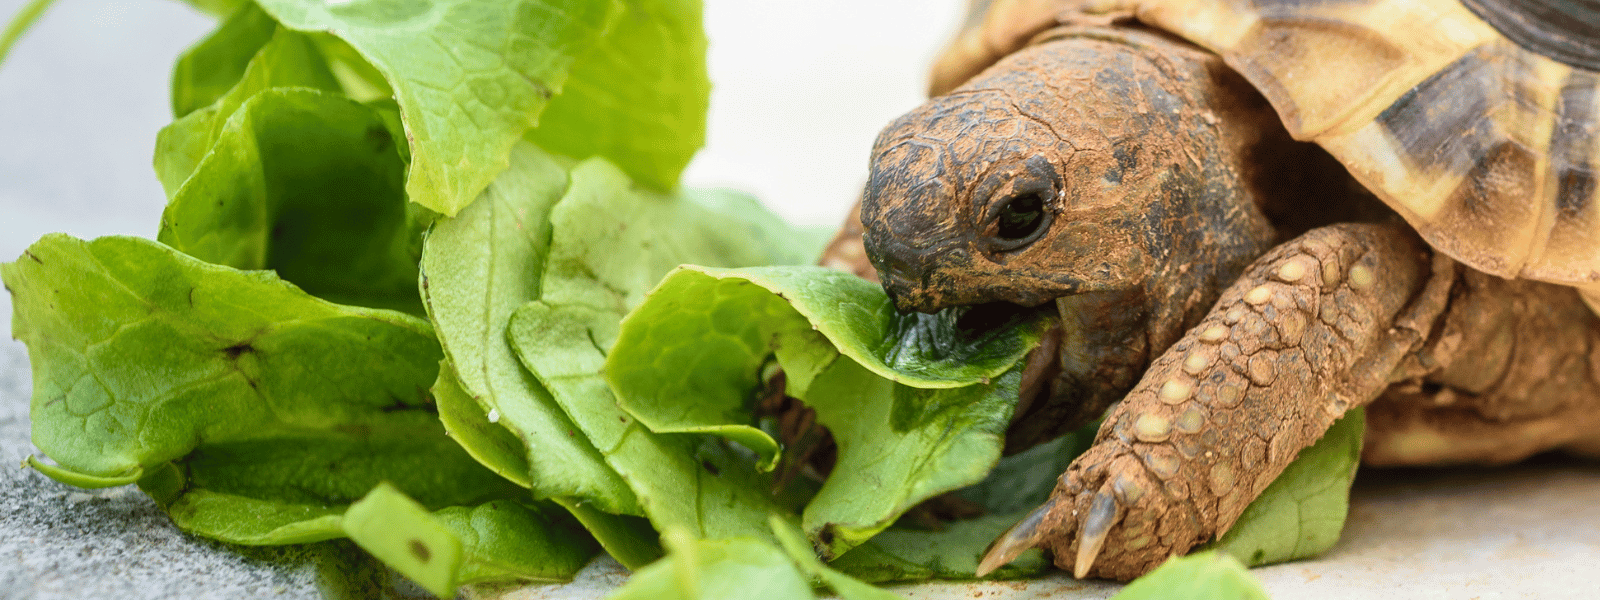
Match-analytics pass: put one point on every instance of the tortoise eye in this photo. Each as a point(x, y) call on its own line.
point(1021, 219)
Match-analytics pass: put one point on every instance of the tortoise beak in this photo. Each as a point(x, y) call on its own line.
point(907, 274)
point(909, 297)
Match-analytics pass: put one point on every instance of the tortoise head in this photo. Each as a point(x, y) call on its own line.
point(1072, 166)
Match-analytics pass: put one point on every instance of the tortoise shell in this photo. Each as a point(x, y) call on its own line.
point(1477, 120)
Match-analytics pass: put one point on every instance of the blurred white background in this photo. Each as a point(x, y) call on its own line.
point(801, 89)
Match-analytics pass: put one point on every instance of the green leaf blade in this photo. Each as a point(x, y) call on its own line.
point(308, 184)
point(471, 76)
point(732, 569)
point(206, 71)
point(402, 534)
point(1202, 576)
point(1302, 512)
point(285, 60)
point(506, 540)
point(478, 268)
point(899, 446)
point(140, 354)
point(651, 125)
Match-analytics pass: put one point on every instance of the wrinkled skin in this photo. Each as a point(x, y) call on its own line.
point(1118, 192)
point(1144, 189)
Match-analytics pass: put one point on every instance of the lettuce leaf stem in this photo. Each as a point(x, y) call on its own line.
point(20, 24)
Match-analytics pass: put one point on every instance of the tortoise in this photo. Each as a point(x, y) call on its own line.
point(1252, 216)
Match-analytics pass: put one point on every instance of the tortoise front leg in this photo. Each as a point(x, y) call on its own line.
point(1312, 329)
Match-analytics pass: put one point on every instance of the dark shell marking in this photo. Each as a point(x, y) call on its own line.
point(1566, 31)
point(1576, 129)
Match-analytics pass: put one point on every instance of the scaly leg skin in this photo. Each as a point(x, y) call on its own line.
point(1312, 329)
point(1512, 369)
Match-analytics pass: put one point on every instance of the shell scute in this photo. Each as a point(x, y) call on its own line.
point(1486, 148)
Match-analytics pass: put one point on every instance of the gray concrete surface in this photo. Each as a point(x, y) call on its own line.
point(1529, 531)
point(802, 88)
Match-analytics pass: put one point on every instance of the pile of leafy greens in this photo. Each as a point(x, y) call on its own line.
point(418, 285)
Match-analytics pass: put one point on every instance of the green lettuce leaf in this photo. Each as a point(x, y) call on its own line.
point(308, 184)
point(614, 242)
point(496, 541)
point(465, 420)
point(285, 60)
point(743, 568)
point(514, 541)
point(901, 554)
point(1011, 490)
point(211, 67)
point(361, 81)
point(217, 7)
point(898, 446)
point(290, 487)
point(705, 334)
point(701, 569)
point(630, 540)
point(471, 76)
point(610, 243)
point(653, 122)
point(799, 549)
point(1023, 481)
point(1202, 576)
point(252, 412)
point(140, 354)
point(401, 533)
point(479, 267)
point(689, 481)
point(1302, 512)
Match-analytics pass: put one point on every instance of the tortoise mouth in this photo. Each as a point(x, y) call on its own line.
point(1041, 366)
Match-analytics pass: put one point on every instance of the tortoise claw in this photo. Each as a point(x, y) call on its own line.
point(1022, 536)
point(1103, 513)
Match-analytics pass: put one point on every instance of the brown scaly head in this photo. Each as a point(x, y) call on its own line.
point(1101, 161)
point(1110, 169)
